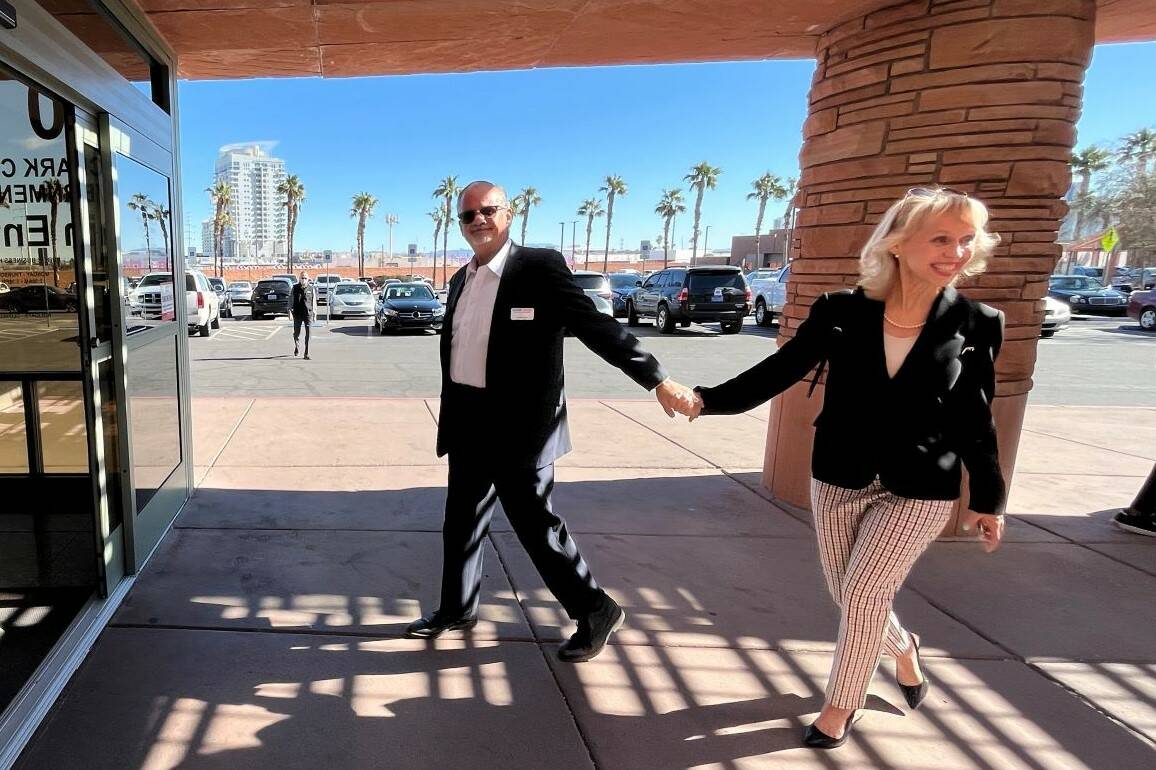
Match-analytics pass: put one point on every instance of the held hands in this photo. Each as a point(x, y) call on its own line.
point(675, 397)
point(990, 527)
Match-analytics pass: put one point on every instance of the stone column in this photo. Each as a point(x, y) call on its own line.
point(979, 95)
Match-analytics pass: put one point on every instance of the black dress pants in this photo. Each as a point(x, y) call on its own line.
point(476, 482)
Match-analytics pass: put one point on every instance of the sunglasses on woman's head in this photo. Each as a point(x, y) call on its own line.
point(467, 217)
point(931, 192)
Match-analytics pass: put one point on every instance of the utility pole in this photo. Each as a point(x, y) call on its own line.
point(573, 252)
point(705, 238)
point(562, 241)
point(391, 220)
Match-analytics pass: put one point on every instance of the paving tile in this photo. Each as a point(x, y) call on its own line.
point(334, 431)
point(1078, 507)
point(719, 592)
point(673, 501)
point(214, 420)
point(728, 440)
point(357, 497)
point(1039, 453)
point(604, 438)
point(1043, 600)
point(1141, 553)
point(1127, 691)
point(1127, 429)
point(648, 708)
point(355, 582)
point(276, 701)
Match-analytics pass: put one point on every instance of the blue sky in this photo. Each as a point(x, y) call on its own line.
point(559, 130)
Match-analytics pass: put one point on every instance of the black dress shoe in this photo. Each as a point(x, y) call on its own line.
point(429, 626)
point(815, 738)
point(593, 632)
point(915, 693)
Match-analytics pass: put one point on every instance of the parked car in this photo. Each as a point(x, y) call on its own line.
point(1138, 279)
point(271, 296)
point(37, 298)
point(1091, 272)
point(769, 289)
point(685, 294)
point(350, 298)
point(622, 285)
point(1142, 307)
point(241, 293)
point(408, 306)
point(202, 305)
point(1087, 295)
point(322, 285)
point(597, 288)
point(223, 297)
point(1057, 315)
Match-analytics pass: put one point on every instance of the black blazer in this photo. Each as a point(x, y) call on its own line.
point(912, 430)
point(300, 305)
point(524, 421)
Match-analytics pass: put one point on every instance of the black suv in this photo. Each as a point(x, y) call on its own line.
point(270, 297)
point(685, 294)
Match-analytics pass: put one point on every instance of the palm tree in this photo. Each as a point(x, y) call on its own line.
point(1139, 147)
point(438, 215)
point(363, 205)
point(446, 190)
point(160, 215)
point(669, 206)
point(55, 193)
point(701, 177)
point(613, 186)
point(1085, 163)
point(765, 187)
point(141, 204)
point(294, 193)
point(221, 196)
point(529, 198)
point(590, 208)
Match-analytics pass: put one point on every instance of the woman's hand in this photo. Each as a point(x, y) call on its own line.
point(989, 525)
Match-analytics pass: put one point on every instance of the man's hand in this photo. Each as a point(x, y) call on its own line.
point(674, 397)
point(990, 528)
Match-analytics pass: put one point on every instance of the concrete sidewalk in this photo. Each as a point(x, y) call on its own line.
point(266, 632)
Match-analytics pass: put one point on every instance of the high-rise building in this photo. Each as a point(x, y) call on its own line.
point(207, 237)
point(258, 226)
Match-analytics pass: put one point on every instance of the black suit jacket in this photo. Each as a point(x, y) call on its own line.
point(524, 421)
point(912, 430)
point(300, 305)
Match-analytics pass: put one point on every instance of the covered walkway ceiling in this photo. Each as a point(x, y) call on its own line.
point(274, 38)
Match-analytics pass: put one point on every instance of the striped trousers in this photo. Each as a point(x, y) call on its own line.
point(869, 539)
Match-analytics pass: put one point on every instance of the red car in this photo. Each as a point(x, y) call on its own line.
point(1142, 307)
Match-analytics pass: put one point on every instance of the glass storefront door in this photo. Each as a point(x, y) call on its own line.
point(93, 456)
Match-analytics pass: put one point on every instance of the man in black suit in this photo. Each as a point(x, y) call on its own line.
point(503, 416)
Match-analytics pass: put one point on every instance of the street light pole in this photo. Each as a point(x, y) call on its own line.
point(705, 238)
point(573, 241)
point(562, 240)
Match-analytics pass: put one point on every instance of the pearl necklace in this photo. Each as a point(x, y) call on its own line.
point(903, 326)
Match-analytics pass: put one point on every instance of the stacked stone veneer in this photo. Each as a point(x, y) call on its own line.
point(978, 95)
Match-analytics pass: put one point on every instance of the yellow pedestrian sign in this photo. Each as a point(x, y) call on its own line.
point(1110, 239)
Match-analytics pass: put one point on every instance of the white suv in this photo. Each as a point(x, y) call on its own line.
point(322, 284)
point(204, 306)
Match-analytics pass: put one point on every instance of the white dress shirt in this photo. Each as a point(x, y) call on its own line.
point(473, 314)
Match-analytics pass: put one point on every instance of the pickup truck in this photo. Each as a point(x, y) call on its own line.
point(769, 291)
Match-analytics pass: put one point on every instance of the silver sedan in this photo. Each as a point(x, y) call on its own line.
point(353, 298)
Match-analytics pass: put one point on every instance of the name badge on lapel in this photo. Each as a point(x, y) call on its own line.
point(521, 314)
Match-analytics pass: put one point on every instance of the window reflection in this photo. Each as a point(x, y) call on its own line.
point(145, 230)
point(13, 435)
point(154, 416)
point(38, 300)
point(63, 435)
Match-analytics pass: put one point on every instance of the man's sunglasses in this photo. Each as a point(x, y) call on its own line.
point(468, 217)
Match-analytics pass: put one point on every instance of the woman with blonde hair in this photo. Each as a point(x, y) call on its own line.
point(910, 379)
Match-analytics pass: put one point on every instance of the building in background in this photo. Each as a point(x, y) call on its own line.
point(772, 244)
point(258, 229)
point(207, 237)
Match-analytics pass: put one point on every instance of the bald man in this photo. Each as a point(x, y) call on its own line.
point(503, 416)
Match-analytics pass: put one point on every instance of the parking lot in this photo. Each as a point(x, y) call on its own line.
point(1094, 361)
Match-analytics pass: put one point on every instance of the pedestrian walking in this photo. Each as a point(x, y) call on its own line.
point(301, 308)
point(910, 380)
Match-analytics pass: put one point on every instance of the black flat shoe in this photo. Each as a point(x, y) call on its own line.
point(593, 632)
point(437, 624)
point(915, 693)
point(814, 738)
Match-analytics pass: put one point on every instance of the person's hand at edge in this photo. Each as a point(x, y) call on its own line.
point(674, 397)
point(989, 525)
